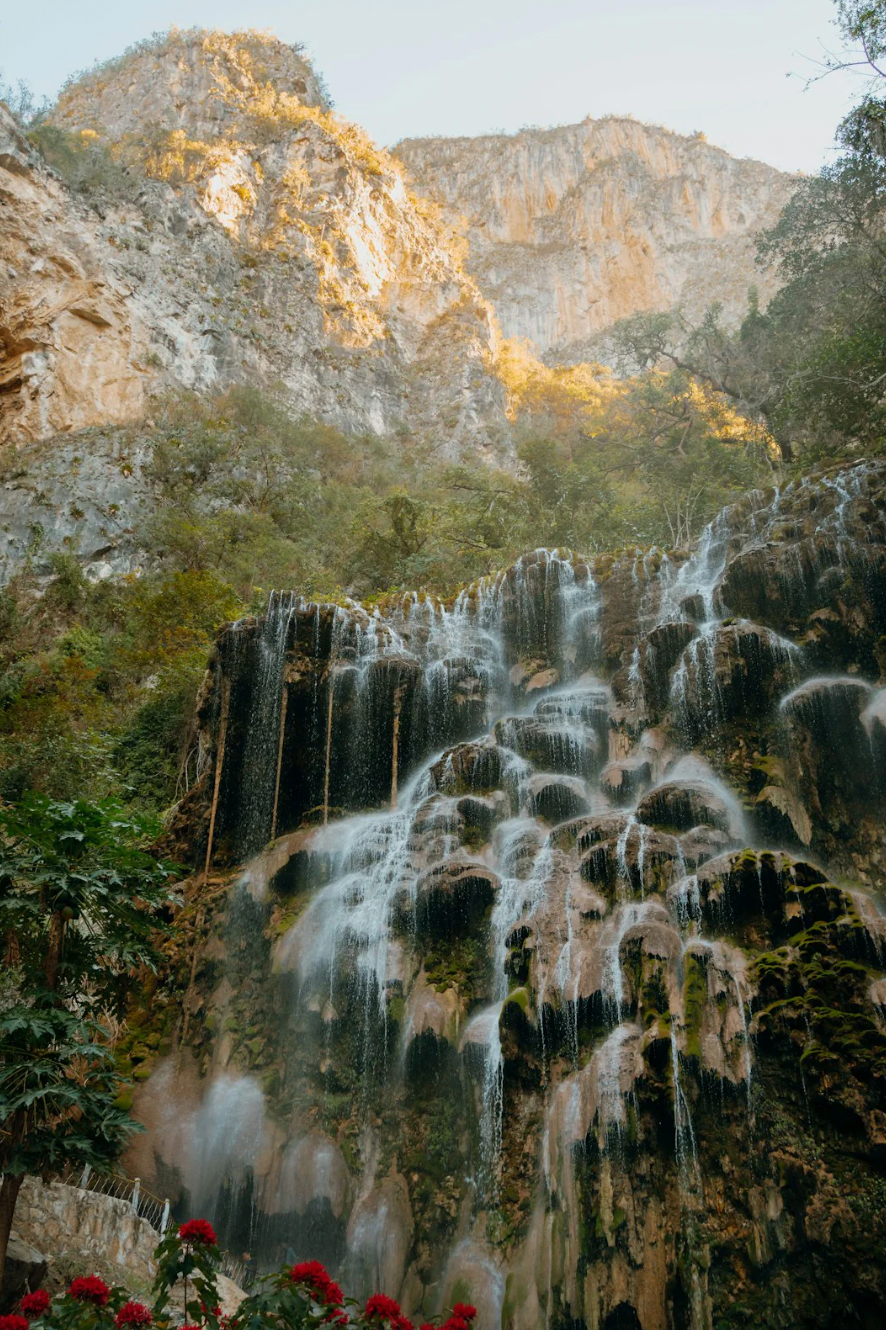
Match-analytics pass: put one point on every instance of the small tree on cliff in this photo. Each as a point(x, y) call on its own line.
point(78, 910)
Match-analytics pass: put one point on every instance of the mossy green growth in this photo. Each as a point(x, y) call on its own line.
point(520, 998)
point(695, 997)
point(459, 962)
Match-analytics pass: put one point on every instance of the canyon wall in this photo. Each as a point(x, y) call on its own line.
point(267, 241)
point(228, 227)
point(572, 228)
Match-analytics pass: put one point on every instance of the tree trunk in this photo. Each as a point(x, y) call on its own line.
point(53, 950)
point(9, 1190)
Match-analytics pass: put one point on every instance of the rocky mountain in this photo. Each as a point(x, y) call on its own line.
point(540, 957)
point(570, 229)
point(265, 241)
point(240, 231)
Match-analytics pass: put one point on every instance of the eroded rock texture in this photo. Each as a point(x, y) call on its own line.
point(261, 239)
point(548, 965)
point(572, 228)
point(247, 234)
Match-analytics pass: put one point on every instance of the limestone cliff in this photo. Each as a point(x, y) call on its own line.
point(249, 234)
point(570, 229)
point(263, 239)
point(73, 348)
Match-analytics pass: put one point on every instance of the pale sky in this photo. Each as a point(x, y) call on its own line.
point(404, 68)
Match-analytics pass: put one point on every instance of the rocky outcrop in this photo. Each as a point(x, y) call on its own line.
point(573, 228)
point(83, 1231)
point(74, 346)
point(241, 232)
point(584, 1006)
point(260, 238)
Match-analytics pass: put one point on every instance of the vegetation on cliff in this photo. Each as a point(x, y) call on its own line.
point(810, 367)
point(79, 907)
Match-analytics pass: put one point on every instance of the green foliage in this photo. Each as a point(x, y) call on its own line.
point(84, 161)
point(78, 912)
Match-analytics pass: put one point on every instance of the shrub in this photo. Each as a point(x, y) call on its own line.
point(293, 1298)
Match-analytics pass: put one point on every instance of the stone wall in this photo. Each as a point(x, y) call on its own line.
point(68, 1222)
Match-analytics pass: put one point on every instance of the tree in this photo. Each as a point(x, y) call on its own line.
point(79, 908)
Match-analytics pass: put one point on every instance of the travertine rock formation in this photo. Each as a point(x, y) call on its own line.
point(474, 1016)
point(570, 229)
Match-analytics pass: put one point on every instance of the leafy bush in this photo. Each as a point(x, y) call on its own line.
point(79, 903)
point(87, 164)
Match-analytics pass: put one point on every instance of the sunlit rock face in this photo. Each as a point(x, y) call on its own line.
point(544, 959)
point(260, 239)
point(250, 235)
point(573, 228)
point(73, 349)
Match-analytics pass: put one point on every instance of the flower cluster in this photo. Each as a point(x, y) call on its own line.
point(381, 1308)
point(189, 1258)
point(89, 1288)
point(199, 1232)
point(312, 1276)
point(35, 1304)
point(462, 1316)
point(133, 1313)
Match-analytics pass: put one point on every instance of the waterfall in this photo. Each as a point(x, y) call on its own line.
point(479, 968)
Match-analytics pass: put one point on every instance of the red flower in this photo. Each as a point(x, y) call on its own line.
point(465, 1311)
point(36, 1303)
point(402, 1323)
point(133, 1313)
point(315, 1279)
point(13, 1323)
point(385, 1308)
point(198, 1231)
point(89, 1288)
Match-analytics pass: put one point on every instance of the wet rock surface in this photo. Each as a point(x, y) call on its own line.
point(587, 1003)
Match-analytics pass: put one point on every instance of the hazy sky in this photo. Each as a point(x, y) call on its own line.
point(407, 67)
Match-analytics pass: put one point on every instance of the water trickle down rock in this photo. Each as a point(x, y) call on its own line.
point(527, 971)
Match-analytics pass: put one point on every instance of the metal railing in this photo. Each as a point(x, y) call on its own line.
point(142, 1202)
point(145, 1205)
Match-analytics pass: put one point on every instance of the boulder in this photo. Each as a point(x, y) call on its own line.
point(557, 798)
point(25, 1270)
point(736, 668)
point(659, 651)
point(453, 897)
point(623, 779)
point(570, 749)
point(681, 805)
point(644, 860)
point(469, 768)
point(829, 759)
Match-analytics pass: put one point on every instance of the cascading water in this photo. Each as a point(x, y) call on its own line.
point(481, 993)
